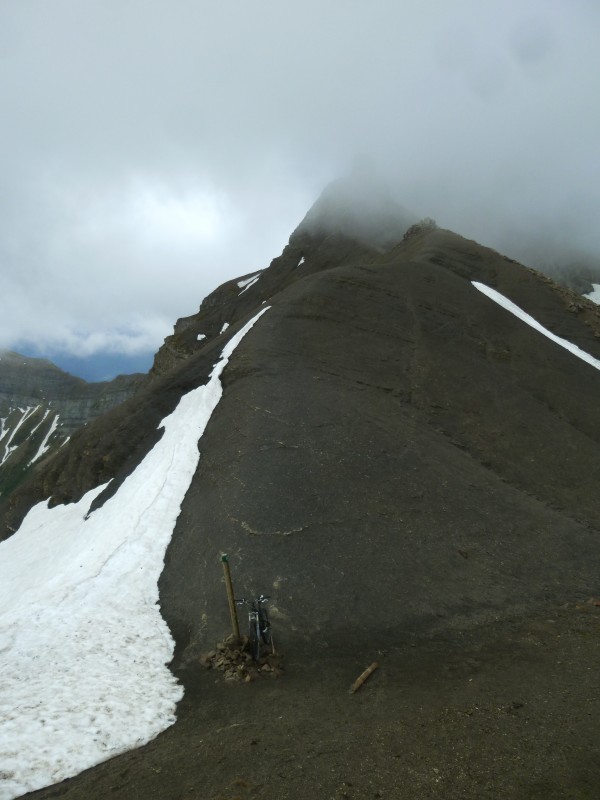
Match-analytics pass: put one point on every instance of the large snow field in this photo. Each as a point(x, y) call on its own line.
point(523, 315)
point(83, 647)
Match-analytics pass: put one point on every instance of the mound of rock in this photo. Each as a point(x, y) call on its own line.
point(233, 658)
point(424, 226)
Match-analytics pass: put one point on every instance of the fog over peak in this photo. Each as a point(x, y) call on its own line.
point(359, 205)
point(150, 152)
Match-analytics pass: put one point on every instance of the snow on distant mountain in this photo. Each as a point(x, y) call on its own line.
point(41, 407)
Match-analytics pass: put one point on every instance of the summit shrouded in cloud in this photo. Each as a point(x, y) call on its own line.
point(359, 205)
point(151, 152)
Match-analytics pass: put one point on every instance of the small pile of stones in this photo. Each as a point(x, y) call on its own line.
point(234, 660)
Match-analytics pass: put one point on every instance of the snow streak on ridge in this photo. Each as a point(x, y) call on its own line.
point(523, 315)
point(84, 647)
point(26, 413)
point(44, 446)
point(248, 283)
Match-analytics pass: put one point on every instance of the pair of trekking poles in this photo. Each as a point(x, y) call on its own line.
point(259, 626)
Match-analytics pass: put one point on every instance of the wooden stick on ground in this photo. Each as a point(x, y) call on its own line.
point(362, 678)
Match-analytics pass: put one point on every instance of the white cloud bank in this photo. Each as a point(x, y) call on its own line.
point(152, 152)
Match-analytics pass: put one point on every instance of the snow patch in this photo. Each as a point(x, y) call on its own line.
point(248, 283)
point(46, 412)
point(84, 647)
point(200, 337)
point(523, 315)
point(594, 294)
point(224, 328)
point(26, 413)
point(43, 448)
point(249, 280)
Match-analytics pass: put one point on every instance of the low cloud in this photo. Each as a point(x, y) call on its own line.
point(152, 152)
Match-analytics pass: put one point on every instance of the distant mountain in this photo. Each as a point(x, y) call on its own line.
point(41, 407)
point(396, 454)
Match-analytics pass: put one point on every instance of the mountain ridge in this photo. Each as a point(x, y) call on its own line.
point(410, 472)
point(420, 247)
point(41, 406)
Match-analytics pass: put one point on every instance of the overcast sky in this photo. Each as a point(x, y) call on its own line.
point(151, 150)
